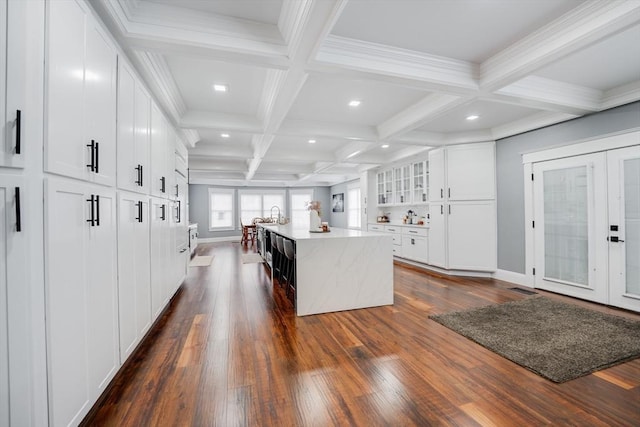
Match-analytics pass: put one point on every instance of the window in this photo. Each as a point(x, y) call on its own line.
point(299, 200)
point(221, 202)
point(258, 204)
point(353, 208)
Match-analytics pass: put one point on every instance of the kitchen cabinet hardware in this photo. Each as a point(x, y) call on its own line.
point(18, 132)
point(178, 211)
point(18, 214)
point(139, 206)
point(97, 210)
point(162, 186)
point(139, 180)
point(92, 165)
point(93, 212)
point(162, 216)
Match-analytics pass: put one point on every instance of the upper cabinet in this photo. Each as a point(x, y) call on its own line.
point(463, 172)
point(403, 185)
point(12, 82)
point(134, 142)
point(420, 182)
point(81, 95)
point(159, 181)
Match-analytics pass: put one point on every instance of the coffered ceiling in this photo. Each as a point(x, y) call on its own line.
point(418, 68)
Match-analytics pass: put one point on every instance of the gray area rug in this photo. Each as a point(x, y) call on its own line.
point(556, 340)
point(251, 258)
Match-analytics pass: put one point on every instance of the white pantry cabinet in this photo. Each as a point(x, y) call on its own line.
point(437, 235)
point(80, 100)
point(160, 154)
point(14, 332)
point(81, 296)
point(13, 82)
point(472, 235)
point(134, 116)
point(134, 270)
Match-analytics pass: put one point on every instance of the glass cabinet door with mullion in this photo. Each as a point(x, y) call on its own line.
point(388, 187)
point(420, 177)
point(380, 188)
point(405, 195)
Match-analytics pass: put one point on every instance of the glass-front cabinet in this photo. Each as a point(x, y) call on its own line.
point(402, 184)
point(385, 187)
point(420, 182)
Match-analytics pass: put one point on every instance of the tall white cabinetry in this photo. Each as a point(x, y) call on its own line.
point(462, 233)
point(81, 291)
point(134, 270)
point(160, 254)
point(81, 95)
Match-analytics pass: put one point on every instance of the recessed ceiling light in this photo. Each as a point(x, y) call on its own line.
point(224, 135)
point(472, 117)
point(219, 87)
point(354, 103)
point(385, 145)
point(312, 141)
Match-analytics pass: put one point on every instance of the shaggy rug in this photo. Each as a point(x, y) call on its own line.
point(556, 340)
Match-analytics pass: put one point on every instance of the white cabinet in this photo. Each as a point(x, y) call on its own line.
point(420, 182)
point(159, 184)
point(14, 331)
point(385, 187)
point(462, 211)
point(414, 244)
point(472, 236)
point(160, 254)
point(134, 115)
point(13, 82)
point(182, 192)
point(81, 296)
point(134, 271)
point(396, 233)
point(402, 184)
point(81, 95)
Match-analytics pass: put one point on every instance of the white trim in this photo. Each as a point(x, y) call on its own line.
point(462, 273)
point(219, 239)
point(611, 141)
point(513, 277)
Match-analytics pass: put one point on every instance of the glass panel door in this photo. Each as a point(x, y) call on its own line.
point(570, 226)
point(624, 227)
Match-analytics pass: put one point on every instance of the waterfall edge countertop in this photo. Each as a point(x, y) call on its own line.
point(341, 269)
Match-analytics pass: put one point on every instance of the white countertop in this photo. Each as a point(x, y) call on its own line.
point(400, 224)
point(301, 232)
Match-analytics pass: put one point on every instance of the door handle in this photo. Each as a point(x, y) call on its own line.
point(93, 212)
point(162, 180)
point(92, 165)
point(139, 180)
point(18, 215)
point(162, 217)
point(97, 159)
point(97, 207)
point(139, 206)
point(615, 239)
point(177, 187)
point(18, 127)
point(179, 209)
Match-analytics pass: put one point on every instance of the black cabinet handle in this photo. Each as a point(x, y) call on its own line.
point(92, 166)
point(141, 176)
point(177, 187)
point(139, 206)
point(179, 209)
point(93, 212)
point(18, 128)
point(441, 209)
point(449, 192)
point(163, 217)
point(449, 209)
point(97, 159)
point(18, 217)
point(139, 180)
point(441, 193)
point(162, 180)
point(98, 210)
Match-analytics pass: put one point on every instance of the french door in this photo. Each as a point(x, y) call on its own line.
point(587, 226)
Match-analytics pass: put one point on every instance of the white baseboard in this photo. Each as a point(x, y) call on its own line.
point(513, 277)
point(219, 239)
point(463, 273)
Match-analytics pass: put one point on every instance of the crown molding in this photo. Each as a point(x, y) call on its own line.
point(590, 22)
point(392, 61)
point(419, 113)
point(158, 74)
point(535, 121)
point(190, 136)
point(621, 95)
point(555, 93)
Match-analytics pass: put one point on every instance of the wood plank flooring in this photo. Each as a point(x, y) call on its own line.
point(229, 351)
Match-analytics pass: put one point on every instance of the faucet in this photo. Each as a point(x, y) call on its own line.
point(276, 207)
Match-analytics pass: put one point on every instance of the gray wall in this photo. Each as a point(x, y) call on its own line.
point(338, 219)
point(199, 206)
point(511, 245)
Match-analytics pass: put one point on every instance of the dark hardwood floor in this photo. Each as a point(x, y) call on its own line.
point(229, 351)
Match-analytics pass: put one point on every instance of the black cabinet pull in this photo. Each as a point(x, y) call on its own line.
point(141, 176)
point(449, 209)
point(18, 217)
point(93, 212)
point(162, 181)
point(139, 206)
point(163, 217)
point(441, 209)
point(18, 127)
point(92, 166)
point(139, 180)
point(97, 159)
point(449, 192)
point(441, 193)
point(178, 209)
point(98, 211)
point(177, 187)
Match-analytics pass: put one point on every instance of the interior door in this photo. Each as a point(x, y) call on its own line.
point(623, 167)
point(571, 226)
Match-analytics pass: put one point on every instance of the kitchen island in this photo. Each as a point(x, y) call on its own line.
point(339, 270)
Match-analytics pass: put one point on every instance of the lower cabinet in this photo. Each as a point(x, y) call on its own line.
point(81, 296)
point(134, 270)
point(161, 277)
point(414, 244)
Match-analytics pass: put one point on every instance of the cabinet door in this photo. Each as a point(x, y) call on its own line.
point(471, 172)
point(66, 229)
point(158, 184)
point(12, 82)
point(419, 183)
point(159, 254)
point(128, 173)
point(437, 241)
point(14, 334)
point(66, 152)
point(182, 189)
point(134, 269)
point(102, 292)
point(472, 236)
point(415, 248)
point(142, 137)
point(100, 102)
point(437, 175)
